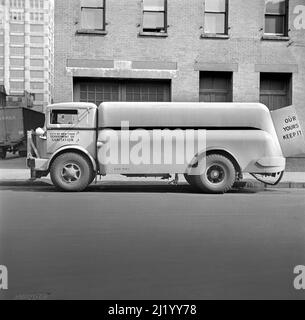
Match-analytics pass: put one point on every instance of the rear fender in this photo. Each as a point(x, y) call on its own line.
point(216, 150)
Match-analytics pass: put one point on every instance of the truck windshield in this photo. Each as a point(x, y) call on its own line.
point(64, 117)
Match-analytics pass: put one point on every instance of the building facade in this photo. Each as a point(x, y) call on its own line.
point(27, 49)
point(179, 50)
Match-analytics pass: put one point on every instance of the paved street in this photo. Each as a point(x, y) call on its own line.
point(150, 241)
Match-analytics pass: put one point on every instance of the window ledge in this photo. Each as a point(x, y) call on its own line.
point(91, 31)
point(153, 34)
point(275, 37)
point(214, 36)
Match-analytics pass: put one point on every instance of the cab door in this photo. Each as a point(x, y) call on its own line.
point(71, 127)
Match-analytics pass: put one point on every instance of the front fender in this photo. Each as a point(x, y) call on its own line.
point(73, 148)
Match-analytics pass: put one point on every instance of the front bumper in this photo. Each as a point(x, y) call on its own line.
point(37, 164)
point(38, 167)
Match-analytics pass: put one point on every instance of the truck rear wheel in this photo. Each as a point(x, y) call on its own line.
point(2, 153)
point(218, 176)
point(71, 172)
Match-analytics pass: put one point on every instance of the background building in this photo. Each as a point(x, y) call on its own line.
point(27, 49)
point(179, 50)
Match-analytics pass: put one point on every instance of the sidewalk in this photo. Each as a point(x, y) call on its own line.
point(290, 179)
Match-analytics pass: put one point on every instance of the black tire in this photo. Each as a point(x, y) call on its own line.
point(22, 153)
point(71, 172)
point(218, 177)
point(2, 153)
point(190, 180)
point(92, 178)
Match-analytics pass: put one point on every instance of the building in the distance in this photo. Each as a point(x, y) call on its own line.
point(181, 50)
point(27, 49)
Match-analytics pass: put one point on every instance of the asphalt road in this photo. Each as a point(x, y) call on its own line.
point(146, 241)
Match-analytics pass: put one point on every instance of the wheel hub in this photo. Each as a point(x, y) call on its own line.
point(215, 174)
point(71, 172)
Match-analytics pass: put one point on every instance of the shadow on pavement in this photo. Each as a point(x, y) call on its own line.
point(111, 187)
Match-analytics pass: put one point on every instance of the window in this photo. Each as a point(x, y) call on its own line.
point(35, 39)
point(16, 16)
point(64, 117)
point(93, 14)
point(36, 74)
point(102, 90)
point(19, 86)
point(17, 51)
point(276, 17)
point(16, 74)
point(154, 16)
point(17, 62)
point(36, 51)
point(37, 28)
point(16, 28)
point(37, 85)
point(36, 62)
point(276, 90)
point(215, 87)
point(17, 39)
point(216, 17)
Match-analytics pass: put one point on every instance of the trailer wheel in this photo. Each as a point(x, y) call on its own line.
point(22, 153)
point(2, 153)
point(218, 176)
point(71, 172)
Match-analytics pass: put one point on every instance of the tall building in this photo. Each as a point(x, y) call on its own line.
point(27, 48)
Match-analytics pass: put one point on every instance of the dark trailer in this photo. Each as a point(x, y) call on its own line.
point(14, 124)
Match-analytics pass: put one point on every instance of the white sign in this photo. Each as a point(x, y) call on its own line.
point(289, 131)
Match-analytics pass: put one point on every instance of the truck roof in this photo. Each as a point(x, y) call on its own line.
point(78, 105)
point(181, 115)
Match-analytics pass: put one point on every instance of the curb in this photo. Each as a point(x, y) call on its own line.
point(259, 185)
point(248, 184)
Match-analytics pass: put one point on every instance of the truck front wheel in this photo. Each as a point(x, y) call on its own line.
point(218, 176)
point(71, 172)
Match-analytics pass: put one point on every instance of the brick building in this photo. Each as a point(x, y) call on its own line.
point(181, 50)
